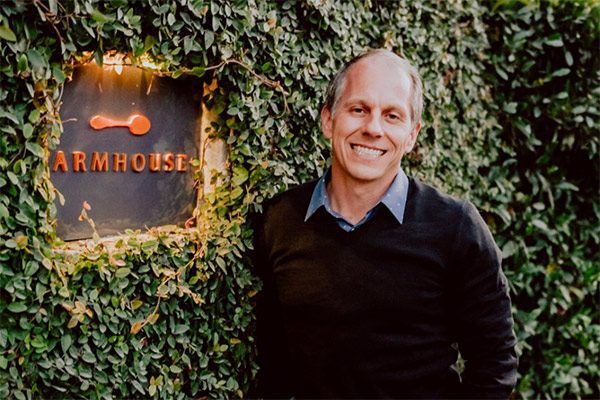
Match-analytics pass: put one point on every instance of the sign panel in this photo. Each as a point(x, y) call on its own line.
point(125, 149)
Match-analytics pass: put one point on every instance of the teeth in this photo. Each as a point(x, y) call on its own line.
point(366, 151)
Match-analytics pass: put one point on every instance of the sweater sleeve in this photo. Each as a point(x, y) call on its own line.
point(483, 318)
point(273, 379)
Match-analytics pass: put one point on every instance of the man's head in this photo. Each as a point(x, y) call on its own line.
point(372, 115)
point(336, 85)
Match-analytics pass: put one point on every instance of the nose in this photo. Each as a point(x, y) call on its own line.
point(374, 126)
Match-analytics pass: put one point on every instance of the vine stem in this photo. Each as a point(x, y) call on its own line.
point(50, 17)
point(269, 82)
point(167, 278)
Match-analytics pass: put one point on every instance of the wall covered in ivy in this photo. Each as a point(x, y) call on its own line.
point(511, 122)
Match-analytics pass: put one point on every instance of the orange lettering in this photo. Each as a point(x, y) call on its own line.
point(119, 162)
point(59, 161)
point(138, 162)
point(169, 163)
point(180, 161)
point(79, 161)
point(154, 163)
point(99, 163)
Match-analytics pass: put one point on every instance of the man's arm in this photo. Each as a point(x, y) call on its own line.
point(484, 321)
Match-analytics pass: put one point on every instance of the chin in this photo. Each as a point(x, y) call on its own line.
point(367, 176)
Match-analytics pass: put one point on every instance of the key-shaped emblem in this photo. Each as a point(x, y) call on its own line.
point(138, 124)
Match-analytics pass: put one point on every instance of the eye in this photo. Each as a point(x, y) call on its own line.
point(394, 117)
point(357, 110)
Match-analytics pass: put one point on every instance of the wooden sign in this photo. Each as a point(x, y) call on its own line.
point(126, 145)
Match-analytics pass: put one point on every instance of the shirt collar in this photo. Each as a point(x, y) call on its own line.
point(319, 197)
point(394, 198)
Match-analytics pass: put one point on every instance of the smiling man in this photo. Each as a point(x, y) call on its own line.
point(374, 282)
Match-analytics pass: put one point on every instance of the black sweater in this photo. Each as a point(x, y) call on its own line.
point(380, 312)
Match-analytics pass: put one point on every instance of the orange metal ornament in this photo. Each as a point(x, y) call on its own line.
point(138, 124)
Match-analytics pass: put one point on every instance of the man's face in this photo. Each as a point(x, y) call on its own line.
point(371, 128)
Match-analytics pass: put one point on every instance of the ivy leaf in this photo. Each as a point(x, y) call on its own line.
point(3, 211)
point(221, 264)
point(555, 40)
point(138, 386)
point(53, 6)
point(38, 342)
point(170, 19)
point(35, 149)
point(561, 72)
point(72, 323)
point(7, 34)
point(59, 75)
point(21, 241)
point(240, 175)
point(89, 357)
point(22, 64)
point(17, 307)
point(36, 59)
point(101, 18)
point(34, 116)
point(209, 39)
point(27, 131)
point(149, 42)
point(179, 329)
point(198, 71)
point(122, 272)
point(135, 304)
point(12, 177)
point(510, 108)
point(153, 318)
point(136, 327)
point(65, 342)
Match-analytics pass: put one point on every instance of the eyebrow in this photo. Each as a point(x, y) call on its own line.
point(358, 101)
point(362, 100)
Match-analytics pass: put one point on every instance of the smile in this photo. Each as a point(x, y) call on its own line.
point(367, 151)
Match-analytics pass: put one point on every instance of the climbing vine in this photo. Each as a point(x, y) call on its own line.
point(168, 312)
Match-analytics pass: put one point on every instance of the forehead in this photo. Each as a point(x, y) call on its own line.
point(377, 78)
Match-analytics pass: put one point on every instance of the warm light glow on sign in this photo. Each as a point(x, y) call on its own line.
point(126, 149)
point(114, 61)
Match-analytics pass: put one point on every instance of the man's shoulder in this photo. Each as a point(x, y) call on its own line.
point(431, 204)
point(424, 192)
point(295, 199)
point(282, 212)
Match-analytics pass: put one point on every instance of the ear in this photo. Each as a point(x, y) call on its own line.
point(326, 122)
point(412, 139)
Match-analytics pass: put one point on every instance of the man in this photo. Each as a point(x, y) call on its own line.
point(373, 281)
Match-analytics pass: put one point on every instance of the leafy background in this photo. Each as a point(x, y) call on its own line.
point(511, 122)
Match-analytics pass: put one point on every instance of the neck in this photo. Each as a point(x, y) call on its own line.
point(353, 199)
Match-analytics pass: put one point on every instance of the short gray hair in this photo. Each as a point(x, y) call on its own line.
point(337, 84)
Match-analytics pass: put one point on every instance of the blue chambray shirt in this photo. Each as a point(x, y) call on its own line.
point(394, 199)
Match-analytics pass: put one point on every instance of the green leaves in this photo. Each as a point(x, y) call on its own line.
point(35, 149)
point(7, 34)
point(65, 342)
point(554, 40)
point(122, 272)
point(17, 307)
point(100, 17)
point(511, 121)
point(547, 53)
